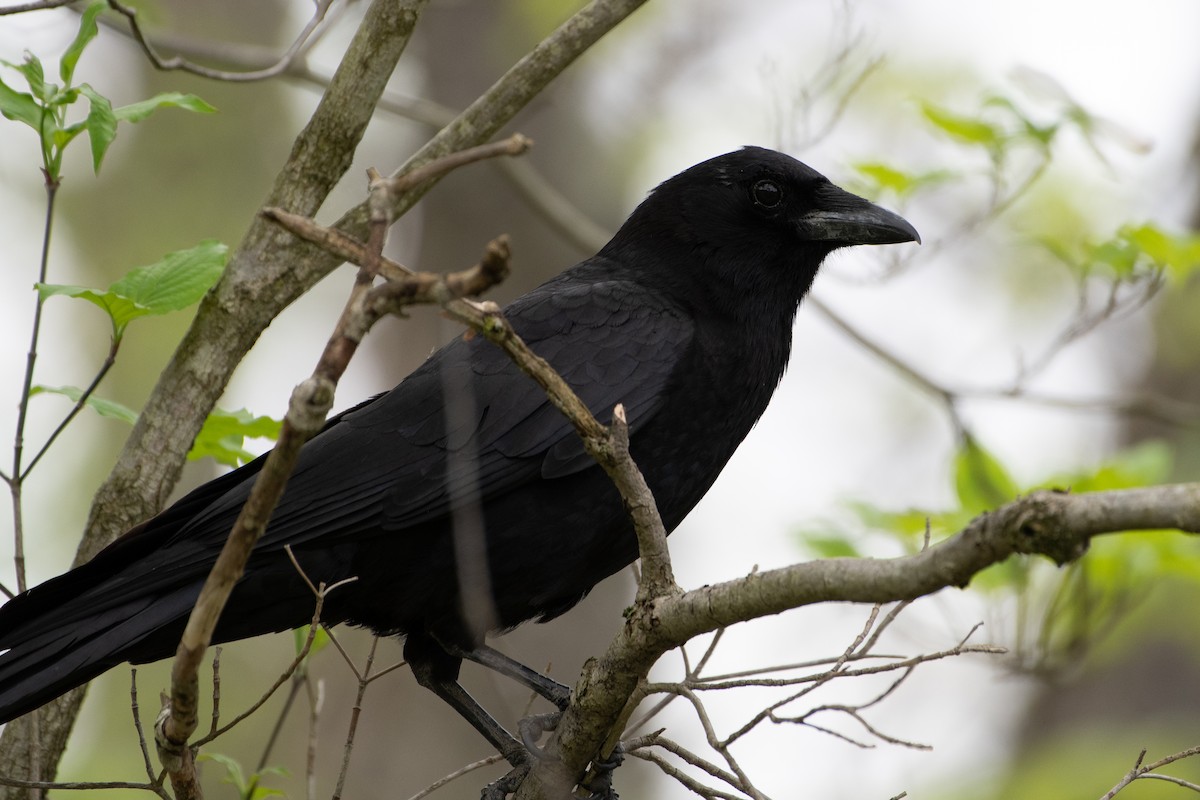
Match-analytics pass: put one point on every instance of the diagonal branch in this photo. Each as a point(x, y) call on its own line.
point(1055, 524)
point(310, 403)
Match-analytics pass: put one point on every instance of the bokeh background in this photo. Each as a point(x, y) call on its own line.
point(680, 81)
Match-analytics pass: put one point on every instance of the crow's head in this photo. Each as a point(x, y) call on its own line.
point(755, 221)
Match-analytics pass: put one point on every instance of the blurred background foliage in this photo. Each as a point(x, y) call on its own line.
point(1046, 335)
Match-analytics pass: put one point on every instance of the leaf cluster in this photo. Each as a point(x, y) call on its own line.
point(44, 106)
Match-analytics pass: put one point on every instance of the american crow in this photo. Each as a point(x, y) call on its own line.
point(685, 317)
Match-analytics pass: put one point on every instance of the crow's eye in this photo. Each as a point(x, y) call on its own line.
point(766, 193)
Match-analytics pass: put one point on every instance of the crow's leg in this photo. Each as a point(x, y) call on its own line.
point(552, 690)
point(437, 670)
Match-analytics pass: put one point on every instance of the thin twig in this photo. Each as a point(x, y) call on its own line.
point(458, 773)
point(184, 65)
point(84, 786)
point(283, 677)
point(687, 781)
point(1141, 771)
point(38, 5)
point(712, 769)
point(355, 713)
point(109, 360)
point(216, 691)
point(155, 779)
point(316, 701)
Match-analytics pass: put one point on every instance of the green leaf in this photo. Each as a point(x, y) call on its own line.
point(63, 136)
point(233, 770)
point(320, 640)
point(224, 433)
point(258, 792)
point(828, 546)
point(967, 129)
point(909, 525)
point(1146, 464)
point(1177, 254)
point(35, 76)
point(1025, 128)
point(20, 106)
point(1119, 255)
point(87, 31)
point(980, 480)
point(177, 281)
point(246, 789)
point(101, 124)
point(885, 178)
point(105, 408)
point(121, 310)
point(136, 112)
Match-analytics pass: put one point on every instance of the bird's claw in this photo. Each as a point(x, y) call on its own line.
point(600, 785)
point(531, 729)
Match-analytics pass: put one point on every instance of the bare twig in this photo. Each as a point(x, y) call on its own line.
point(696, 761)
point(769, 711)
point(855, 713)
point(155, 779)
point(82, 786)
point(713, 684)
point(216, 691)
point(316, 701)
point(107, 364)
point(687, 781)
point(1142, 771)
point(305, 38)
point(514, 145)
point(690, 675)
point(458, 773)
point(1171, 779)
point(355, 712)
point(38, 5)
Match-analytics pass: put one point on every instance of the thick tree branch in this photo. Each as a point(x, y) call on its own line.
point(499, 104)
point(1055, 524)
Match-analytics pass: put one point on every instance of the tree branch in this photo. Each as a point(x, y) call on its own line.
point(1055, 524)
point(310, 403)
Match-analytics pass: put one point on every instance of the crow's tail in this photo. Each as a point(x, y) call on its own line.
point(61, 635)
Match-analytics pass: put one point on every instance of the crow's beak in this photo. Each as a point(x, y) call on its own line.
point(848, 219)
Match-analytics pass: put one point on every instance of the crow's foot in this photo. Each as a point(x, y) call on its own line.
point(501, 789)
point(532, 728)
point(600, 785)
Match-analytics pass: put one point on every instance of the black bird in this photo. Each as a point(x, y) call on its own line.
point(461, 500)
